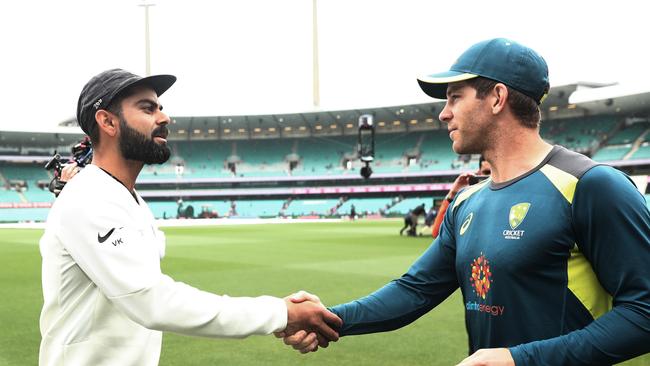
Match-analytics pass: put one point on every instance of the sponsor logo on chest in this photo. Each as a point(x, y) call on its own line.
point(516, 216)
point(480, 281)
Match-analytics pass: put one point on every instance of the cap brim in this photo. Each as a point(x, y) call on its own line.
point(435, 85)
point(159, 83)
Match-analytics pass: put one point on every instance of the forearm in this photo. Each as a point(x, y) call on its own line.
point(391, 307)
point(177, 307)
point(617, 336)
point(429, 281)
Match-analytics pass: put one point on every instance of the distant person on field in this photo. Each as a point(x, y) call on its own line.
point(411, 220)
point(430, 217)
point(106, 301)
point(461, 182)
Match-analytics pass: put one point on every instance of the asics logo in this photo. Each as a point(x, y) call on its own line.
point(465, 225)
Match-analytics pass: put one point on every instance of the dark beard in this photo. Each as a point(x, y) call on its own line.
point(136, 146)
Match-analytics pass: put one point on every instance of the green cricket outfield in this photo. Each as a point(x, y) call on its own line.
point(339, 261)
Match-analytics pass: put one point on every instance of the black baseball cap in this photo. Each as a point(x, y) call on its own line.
point(499, 59)
point(100, 91)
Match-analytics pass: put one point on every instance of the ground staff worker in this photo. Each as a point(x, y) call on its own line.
point(461, 182)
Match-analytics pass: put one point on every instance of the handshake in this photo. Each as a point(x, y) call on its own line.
point(309, 324)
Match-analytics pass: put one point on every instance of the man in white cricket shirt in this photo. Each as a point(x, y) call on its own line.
point(106, 301)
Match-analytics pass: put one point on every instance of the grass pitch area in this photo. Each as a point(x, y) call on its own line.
point(337, 261)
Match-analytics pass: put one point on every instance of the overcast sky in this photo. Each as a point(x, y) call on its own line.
point(255, 56)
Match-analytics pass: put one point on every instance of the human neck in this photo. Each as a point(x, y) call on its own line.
point(516, 154)
point(126, 171)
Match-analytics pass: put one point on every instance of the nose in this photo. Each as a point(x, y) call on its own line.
point(445, 114)
point(163, 118)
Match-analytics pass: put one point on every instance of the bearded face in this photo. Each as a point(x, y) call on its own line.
point(134, 145)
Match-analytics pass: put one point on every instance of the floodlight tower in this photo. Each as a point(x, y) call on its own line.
point(315, 54)
point(147, 51)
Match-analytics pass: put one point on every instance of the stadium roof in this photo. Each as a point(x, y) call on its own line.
point(564, 101)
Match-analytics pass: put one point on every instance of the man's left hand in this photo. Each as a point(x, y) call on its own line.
point(489, 357)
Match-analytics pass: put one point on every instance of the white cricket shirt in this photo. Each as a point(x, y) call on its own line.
point(106, 301)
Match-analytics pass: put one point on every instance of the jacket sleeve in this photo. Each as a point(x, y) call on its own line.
point(438, 221)
point(612, 228)
point(430, 280)
point(125, 266)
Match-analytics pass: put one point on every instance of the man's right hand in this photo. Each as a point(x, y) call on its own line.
point(69, 171)
point(461, 182)
point(309, 323)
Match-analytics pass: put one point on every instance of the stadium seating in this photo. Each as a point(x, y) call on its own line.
point(406, 205)
point(23, 214)
point(309, 207)
point(579, 134)
point(9, 195)
point(36, 194)
point(258, 208)
point(26, 172)
point(605, 137)
point(436, 151)
point(628, 135)
point(643, 152)
point(364, 206)
point(610, 153)
point(322, 156)
point(625, 141)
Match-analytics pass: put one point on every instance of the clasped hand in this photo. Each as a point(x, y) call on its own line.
point(309, 324)
point(318, 327)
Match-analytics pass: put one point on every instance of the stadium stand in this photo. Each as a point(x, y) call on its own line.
point(9, 196)
point(309, 157)
point(643, 152)
point(580, 134)
point(258, 208)
point(403, 207)
point(628, 135)
point(610, 153)
point(322, 156)
point(365, 206)
point(624, 144)
point(436, 152)
point(311, 207)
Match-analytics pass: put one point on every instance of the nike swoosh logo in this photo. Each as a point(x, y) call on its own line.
point(102, 239)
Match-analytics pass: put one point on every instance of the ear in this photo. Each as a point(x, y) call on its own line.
point(107, 122)
point(500, 95)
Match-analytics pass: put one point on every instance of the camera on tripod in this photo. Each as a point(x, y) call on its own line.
point(82, 154)
point(366, 143)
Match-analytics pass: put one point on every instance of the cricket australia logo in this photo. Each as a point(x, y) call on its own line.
point(517, 215)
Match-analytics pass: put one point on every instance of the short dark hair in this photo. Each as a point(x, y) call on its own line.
point(523, 107)
point(93, 133)
point(114, 107)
